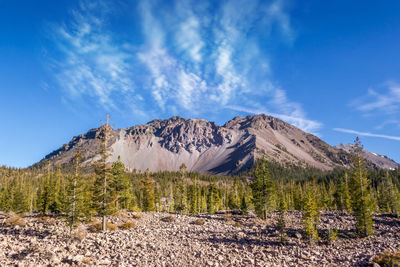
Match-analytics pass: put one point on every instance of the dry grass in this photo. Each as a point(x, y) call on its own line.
point(238, 224)
point(199, 221)
point(97, 227)
point(135, 209)
point(87, 261)
point(123, 214)
point(168, 218)
point(227, 217)
point(14, 221)
point(387, 259)
point(136, 216)
point(46, 219)
point(126, 226)
point(259, 222)
point(79, 234)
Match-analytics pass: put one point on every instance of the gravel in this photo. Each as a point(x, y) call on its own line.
point(218, 242)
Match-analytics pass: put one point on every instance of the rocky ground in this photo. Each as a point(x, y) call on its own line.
point(221, 241)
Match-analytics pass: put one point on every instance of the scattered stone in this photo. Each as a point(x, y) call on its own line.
point(155, 241)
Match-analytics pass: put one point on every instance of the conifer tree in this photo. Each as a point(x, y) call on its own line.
point(192, 199)
point(362, 201)
point(75, 206)
point(148, 192)
point(180, 194)
point(388, 195)
point(20, 202)
point(310, 217)
point(120, 185)
point(281, 220)
point(213, 198)
point(233, 195)
point(243, 205)
point(57, 193)
point(44, 193)
point(342, 194)
point(103, 198)
point(262, 188)
point(180, 203)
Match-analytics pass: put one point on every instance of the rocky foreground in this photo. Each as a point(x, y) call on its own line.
point(160, 240)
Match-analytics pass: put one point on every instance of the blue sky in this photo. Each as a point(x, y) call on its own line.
point(331, 68)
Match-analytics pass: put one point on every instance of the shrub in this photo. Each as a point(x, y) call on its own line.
point(87, 261)
point(46, 219)
point(79, 234)
point(123, 213)
point(199, 221)
point(126, 226)
point(135, 209)
point(238, 224)
point(227, 217)
point(137, 216)
point(387, 259)
point(97, 227)
point(332, 235)
point(15, 220)
point(168, 218)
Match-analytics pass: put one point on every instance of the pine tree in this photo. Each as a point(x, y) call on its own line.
point(75, 207)
point(180, 203)
point(103, 198)
point(57, 193)
point(192, 199)
point(148, 193)
point(342, 195)
point(362, 201)
point(281, 220)
point(243, 206)
point(388, 195)
point(310, 217)
point(213, 198)
point(20, 202)
point(262, 188)
point(120, 185)
point(44, 193)
point(233, 195)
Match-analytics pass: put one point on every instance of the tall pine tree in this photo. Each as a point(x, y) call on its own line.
point(362, 202)
point(75, 205)
point(103, 197)
point(262, 187)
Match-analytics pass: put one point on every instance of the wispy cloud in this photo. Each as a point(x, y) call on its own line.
point(396, 138)
point(193, 57)
point(383, 103)
point(92, 64)
point(387, 102)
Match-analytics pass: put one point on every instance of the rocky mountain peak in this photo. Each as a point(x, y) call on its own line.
point(204, 146)
point(377, 160)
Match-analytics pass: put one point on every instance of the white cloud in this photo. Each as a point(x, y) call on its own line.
point(387, 102)
point(188, 35)
point(277, 13)
point(92, 63)
point(195, 57)
point(382, 103)
point(396, 138)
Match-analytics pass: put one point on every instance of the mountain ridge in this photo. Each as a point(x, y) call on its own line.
point(206, 147)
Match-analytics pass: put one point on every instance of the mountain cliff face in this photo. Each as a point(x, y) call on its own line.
point(206, 147)
point(377, 160)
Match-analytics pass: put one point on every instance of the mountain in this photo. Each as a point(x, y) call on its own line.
point(377, 160)
point(205, 147)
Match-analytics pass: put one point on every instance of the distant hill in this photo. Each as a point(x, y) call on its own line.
point(377, 160)
point(206, 147)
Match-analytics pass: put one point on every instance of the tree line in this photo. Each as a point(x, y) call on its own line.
point(78, 195)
